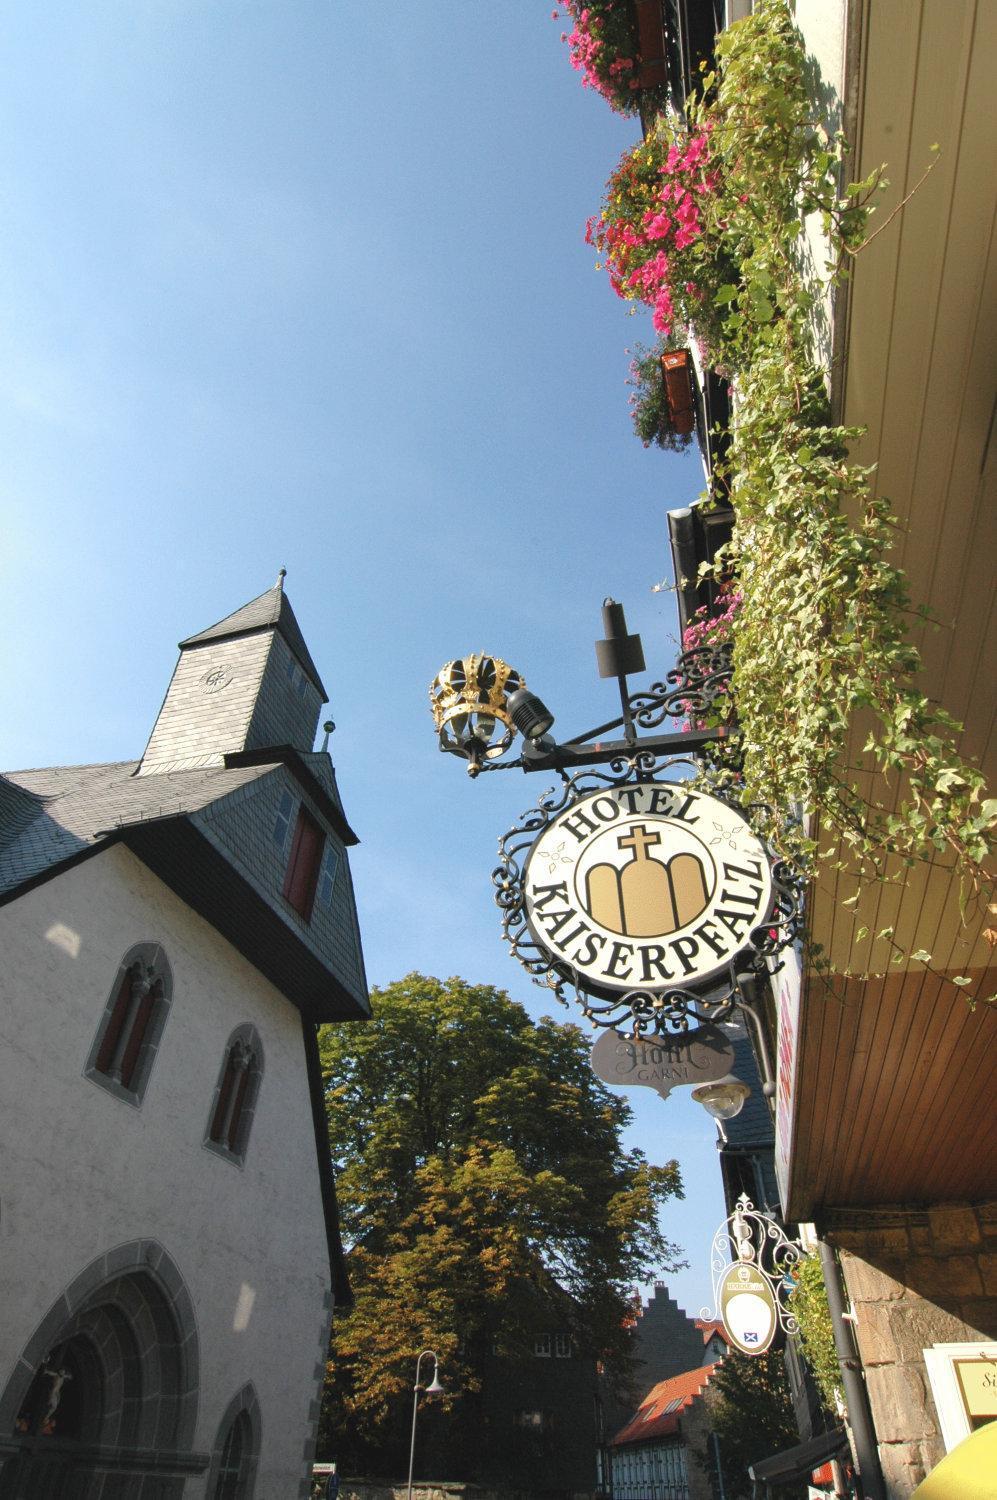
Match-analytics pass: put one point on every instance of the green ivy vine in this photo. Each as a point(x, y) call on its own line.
point(809, 1305)
point(821, 634)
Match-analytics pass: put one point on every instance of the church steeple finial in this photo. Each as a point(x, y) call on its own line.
point(280, 579)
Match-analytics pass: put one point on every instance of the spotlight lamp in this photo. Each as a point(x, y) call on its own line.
point(530, 714)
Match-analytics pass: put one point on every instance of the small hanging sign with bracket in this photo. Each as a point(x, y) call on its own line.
point(753, 1264)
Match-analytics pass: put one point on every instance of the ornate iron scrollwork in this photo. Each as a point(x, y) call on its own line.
point(700, 679)
point(752, 1238)
point(660, 1010)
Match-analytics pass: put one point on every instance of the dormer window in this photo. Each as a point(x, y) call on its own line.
point(327, 872)
point(282, 823)
point(303, 864)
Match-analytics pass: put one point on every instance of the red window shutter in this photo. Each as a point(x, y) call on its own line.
point(136, 1037)
point(240, 1104)
point(303, 865)
point(116, 1021)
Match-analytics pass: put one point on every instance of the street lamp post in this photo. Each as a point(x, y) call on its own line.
point(433, 1389)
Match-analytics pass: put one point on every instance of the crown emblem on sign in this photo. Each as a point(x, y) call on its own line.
point(468, 699)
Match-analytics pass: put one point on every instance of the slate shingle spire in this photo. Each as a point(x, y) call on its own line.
point(245, 683)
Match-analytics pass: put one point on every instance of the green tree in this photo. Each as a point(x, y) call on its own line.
point(481, 1179)
point(753, 1417)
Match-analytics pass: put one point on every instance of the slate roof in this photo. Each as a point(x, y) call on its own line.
point(51, 819)
point(753, 1126)
point(659, 1412)
point(271, 610)
point(49, 816)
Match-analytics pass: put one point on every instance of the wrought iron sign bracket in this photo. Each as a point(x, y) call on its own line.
point(753, 1264)
point(660, 942)
point(477, 704)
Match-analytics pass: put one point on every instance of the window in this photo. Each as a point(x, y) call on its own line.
point(541, 1346)
point(328, 870)
point(296, 677)
point(132, 1023)
point(234, 1101)
point(562, 1345)
point(232, 1475)
point(537, 1420)
point(303, 864)
point(283, 822)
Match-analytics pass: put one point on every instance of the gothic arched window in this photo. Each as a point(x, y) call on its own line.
point(232, 1474)
point(234, 1102)
point(132, 1022)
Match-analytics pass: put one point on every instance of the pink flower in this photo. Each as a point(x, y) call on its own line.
point(656, 226)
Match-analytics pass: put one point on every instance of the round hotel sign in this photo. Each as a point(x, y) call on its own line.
point(648, 886)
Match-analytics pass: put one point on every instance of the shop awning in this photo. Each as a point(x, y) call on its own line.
point(799, 1462)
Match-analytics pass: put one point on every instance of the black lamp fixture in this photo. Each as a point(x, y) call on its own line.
point(530, 714)
point(479, 703)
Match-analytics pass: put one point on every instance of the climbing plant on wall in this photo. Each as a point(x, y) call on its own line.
point(704, 224)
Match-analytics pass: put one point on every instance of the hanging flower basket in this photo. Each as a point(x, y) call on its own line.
point(650, 407)
point(618, 46)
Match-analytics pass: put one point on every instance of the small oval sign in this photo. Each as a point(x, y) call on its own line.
point(748, 1309)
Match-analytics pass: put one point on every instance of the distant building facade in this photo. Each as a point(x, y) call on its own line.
point(651, 1435)
point(657, 1455)
point(173, 930)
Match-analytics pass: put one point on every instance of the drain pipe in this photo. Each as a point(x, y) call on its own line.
point(856, 1395)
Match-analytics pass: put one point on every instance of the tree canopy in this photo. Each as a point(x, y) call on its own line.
point(481, 1179)
point(752, 1415)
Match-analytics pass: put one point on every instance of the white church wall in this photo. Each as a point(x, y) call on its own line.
point(84, 1171)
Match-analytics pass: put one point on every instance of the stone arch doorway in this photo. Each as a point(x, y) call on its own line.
point(104, 1397)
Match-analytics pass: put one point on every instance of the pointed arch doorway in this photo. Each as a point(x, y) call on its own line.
point(104, 1396)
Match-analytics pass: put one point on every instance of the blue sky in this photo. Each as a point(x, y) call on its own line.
point(303, 283)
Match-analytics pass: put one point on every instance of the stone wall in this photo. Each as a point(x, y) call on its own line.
point(915, 1278)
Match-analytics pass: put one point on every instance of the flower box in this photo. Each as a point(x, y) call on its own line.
point(651, 43)
point(676, 367)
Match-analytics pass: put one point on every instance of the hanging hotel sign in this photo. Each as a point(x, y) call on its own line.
point(648, 898)
point(754, 1273)
point(646, 886)
point(663, 1062)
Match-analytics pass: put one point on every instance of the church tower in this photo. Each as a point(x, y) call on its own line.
point(247, 683)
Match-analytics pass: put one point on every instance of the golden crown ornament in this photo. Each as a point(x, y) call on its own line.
point(468, 698)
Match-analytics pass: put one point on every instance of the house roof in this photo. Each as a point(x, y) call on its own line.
point(52, 819)
point(710, 1326)
point(658, 1414)
point(48, 816)
point(269, 611)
